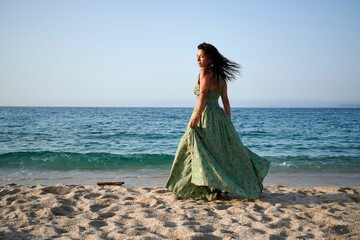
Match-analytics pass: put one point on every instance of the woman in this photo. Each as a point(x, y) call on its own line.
point(211, 158)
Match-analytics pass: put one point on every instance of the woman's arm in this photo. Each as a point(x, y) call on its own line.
point(204, 88)
point(225, 100)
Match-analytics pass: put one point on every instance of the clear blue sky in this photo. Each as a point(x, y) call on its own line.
point(143, 53)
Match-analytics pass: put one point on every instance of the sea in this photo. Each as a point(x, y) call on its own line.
point(86, 145)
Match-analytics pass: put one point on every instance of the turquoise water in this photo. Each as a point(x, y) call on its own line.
point(57, 142)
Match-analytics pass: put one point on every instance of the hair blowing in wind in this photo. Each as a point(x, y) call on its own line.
point(220, 66)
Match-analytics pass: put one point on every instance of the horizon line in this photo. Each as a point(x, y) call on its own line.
point(89, 106)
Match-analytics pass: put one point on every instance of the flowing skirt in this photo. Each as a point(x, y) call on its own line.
point(211, 158)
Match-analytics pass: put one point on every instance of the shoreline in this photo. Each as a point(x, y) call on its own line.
point(158, 178)
point(120, 212)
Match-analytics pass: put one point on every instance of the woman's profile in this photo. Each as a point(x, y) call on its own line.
point(211, 157)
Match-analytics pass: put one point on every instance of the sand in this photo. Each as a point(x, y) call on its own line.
point(113, 212)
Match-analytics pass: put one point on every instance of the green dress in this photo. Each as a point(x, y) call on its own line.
point(211, 158)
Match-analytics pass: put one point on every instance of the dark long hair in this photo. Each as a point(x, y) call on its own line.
point(220, 66)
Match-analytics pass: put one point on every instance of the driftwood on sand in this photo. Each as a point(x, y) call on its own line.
point(110, 183)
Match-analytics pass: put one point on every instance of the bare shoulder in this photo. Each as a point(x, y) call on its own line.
point(204, 77)
point(203, 73)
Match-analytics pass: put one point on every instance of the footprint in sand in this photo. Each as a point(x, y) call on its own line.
point(62, 210)
point(97, 207)
point(339, 229)
point(109, 196)
point(92, 195)
point(60, 190)
point(97, 223)
point(200, 228)
point(222, 207)
point(107, 215)
point(9, 192)
point(170, 224)
point(128, 198)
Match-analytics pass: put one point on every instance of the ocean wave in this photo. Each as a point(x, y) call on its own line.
point(70, 160)
point(64, 161)
point(314, 163)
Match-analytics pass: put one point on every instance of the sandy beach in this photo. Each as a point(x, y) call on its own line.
point(117, 212)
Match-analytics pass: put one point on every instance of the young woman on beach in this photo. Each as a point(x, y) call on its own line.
point(211, 159)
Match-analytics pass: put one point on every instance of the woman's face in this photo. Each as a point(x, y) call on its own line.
point(202, 59)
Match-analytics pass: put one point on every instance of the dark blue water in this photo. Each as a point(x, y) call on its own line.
point(41, 140)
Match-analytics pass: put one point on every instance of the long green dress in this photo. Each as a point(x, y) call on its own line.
point(211, 158)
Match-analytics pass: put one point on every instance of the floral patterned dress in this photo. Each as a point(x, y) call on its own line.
point(211, 158)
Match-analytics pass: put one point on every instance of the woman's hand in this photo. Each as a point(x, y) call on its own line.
point(194, 121)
